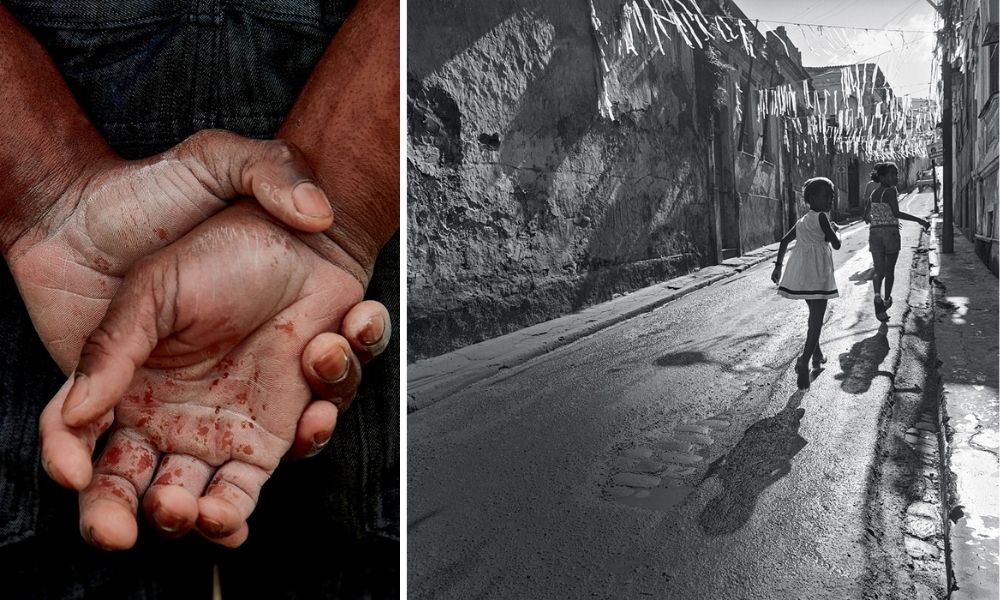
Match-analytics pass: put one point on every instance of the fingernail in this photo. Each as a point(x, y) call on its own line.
point(211, 527)
point(333, 366)
point(167, 522)
point(310, 201)
point(79, 394)
point(319, 442)
point(373, 331)
point(88, 534)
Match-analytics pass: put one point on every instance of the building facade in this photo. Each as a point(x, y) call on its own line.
point(975, 125)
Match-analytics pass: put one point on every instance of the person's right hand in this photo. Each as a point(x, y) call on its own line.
point(209, 376)
point(69, 263)
point(776, 274)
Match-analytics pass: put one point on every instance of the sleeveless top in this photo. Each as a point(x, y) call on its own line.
point(881, 213)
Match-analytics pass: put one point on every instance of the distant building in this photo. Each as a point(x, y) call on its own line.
point(850, 172)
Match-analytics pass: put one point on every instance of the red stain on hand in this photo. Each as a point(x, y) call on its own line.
point(113, 455)
point(288, 327)
point(145, 463)
point(162, 233)
point(247, 450)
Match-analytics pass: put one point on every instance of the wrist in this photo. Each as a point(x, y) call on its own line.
point(39, 196)
point(360, 175)
point(365, 218)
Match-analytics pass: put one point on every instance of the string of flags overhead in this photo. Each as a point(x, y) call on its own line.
point(861, 116)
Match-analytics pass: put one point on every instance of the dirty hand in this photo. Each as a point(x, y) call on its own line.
point(69, 263)
point(207, 378)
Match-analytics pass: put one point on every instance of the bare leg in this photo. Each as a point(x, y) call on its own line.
point(890, 272)
point(878, 261)
point(817, 310)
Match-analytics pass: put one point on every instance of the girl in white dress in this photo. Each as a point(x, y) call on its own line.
point(809, 275)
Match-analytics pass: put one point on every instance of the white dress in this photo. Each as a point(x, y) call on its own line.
point(809, 272)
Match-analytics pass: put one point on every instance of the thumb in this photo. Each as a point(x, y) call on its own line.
point(139, 315)
point(273, 171)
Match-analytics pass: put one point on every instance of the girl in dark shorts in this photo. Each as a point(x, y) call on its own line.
point(883, 216)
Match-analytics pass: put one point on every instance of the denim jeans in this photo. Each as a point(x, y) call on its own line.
point(149, 73)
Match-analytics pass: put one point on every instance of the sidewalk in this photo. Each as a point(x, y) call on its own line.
point(435, 378)
point(965, 332)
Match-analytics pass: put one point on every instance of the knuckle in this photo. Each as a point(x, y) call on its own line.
point(280, 151)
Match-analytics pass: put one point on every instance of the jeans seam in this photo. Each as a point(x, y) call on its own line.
point(92, 25)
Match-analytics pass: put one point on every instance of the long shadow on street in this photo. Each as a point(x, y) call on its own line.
point(859, 365)
point(762, 457)
point(682, 358)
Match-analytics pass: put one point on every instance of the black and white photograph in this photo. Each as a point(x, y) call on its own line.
point(702, 299)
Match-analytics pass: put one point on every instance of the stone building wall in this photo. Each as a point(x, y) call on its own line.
point(526, 203)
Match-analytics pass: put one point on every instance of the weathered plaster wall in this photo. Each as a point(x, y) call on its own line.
point(524, 202)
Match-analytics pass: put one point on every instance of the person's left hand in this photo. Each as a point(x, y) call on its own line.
point(209, 377)
point(776, 274)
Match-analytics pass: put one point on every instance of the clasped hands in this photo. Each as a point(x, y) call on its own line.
point(193, 298)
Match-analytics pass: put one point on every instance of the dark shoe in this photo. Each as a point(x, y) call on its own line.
point(888, 302)
point(880, 310)
point(802, 371)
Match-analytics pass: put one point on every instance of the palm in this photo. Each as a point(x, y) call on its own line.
point(245, 297)
point(68, 274)
point(231, 306)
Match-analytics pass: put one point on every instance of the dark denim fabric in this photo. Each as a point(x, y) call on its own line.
point(150, 73)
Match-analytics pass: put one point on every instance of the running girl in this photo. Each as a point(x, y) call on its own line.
point(810, 269)
point(883, 215)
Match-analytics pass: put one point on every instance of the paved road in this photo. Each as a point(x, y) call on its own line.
point(669, 456)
